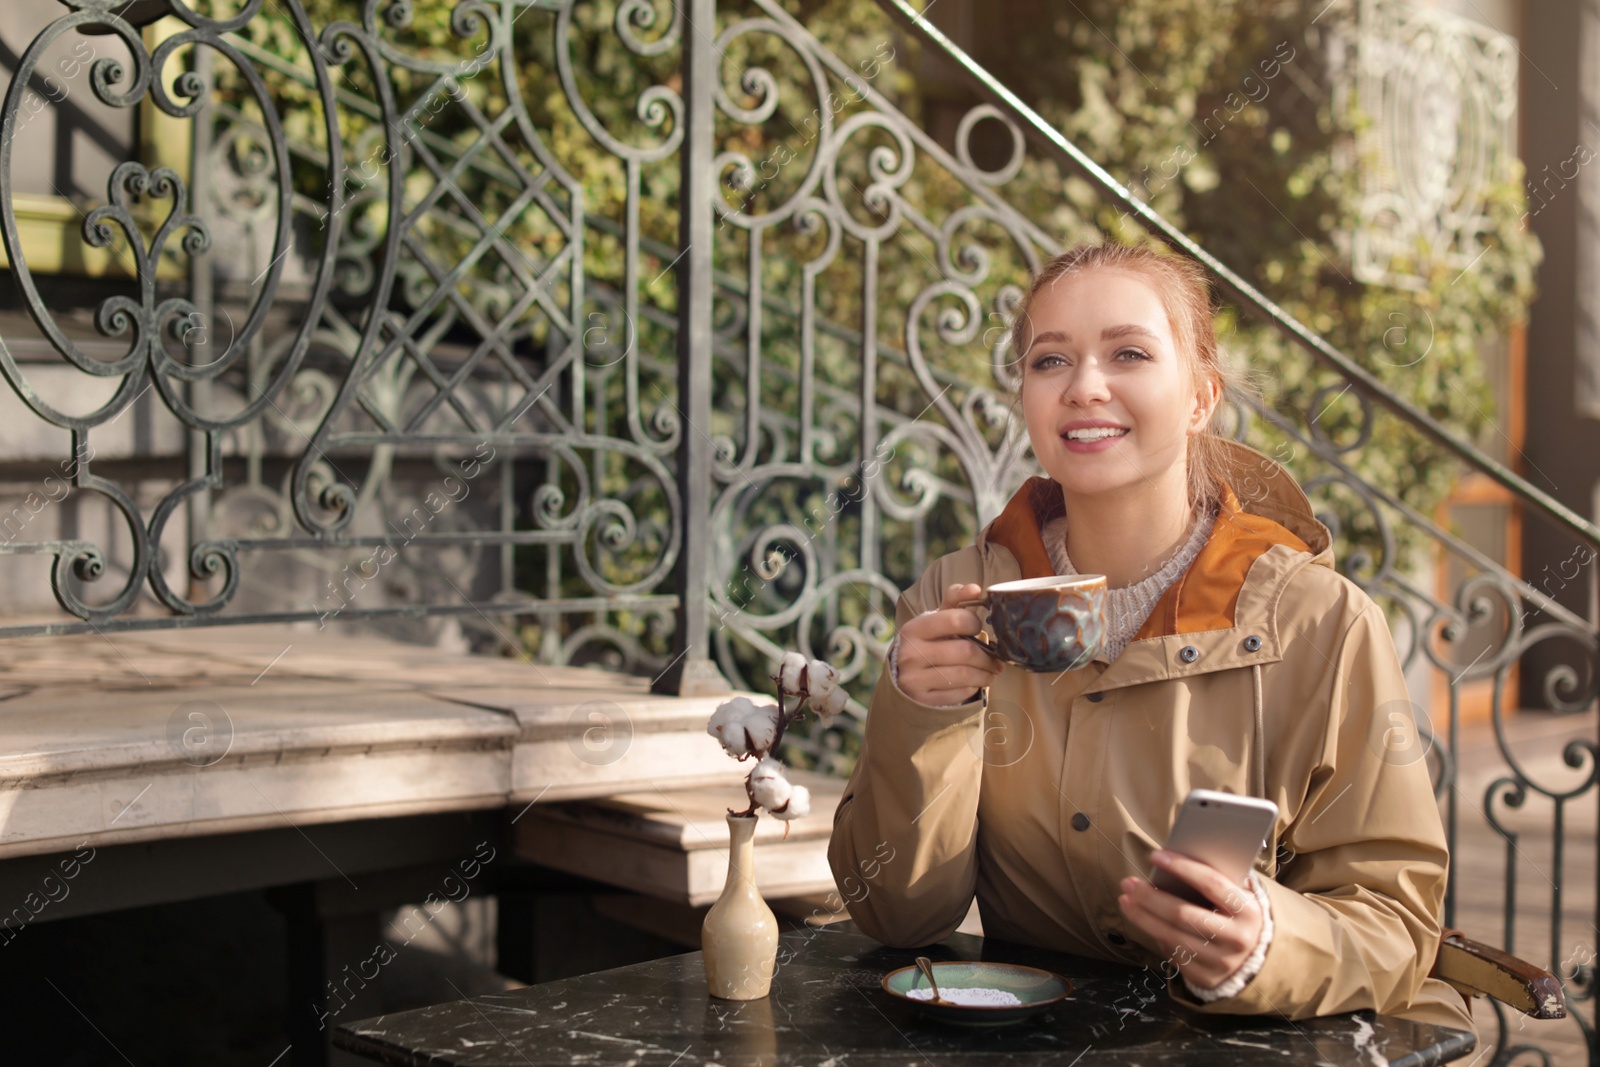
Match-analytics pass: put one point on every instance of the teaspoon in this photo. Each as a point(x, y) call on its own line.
point(926, 966)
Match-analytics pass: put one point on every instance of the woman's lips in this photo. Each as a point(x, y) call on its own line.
point(1096, 445)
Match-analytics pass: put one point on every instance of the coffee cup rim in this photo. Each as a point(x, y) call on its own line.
point(1056, 581)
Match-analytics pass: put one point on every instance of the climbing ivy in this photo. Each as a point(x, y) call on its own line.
point(1222, 117)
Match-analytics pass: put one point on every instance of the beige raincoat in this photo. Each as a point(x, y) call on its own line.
point(1262, 671)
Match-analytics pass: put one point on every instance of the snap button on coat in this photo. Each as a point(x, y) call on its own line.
point(1080, 821)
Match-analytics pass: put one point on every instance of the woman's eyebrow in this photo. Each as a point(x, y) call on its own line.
point(1111, 333)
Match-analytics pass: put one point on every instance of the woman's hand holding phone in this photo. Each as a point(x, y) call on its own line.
point(1207, 945)
point(934, 666)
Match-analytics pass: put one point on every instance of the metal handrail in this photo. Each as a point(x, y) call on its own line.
point(1053, 142)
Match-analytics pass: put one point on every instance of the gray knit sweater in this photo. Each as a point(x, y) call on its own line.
point(1128, 606)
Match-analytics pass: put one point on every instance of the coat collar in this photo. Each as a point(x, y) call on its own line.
point(1265, 531)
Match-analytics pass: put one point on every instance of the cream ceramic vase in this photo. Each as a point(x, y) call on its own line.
point(739, 938)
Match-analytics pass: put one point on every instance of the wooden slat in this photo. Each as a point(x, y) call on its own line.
point(1476, 968)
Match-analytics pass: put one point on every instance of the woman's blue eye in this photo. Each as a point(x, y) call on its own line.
point(1051, 359)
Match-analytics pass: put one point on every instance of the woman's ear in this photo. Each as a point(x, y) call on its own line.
point(1205, 403)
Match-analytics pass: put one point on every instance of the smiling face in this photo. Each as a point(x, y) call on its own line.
point(1108, 398)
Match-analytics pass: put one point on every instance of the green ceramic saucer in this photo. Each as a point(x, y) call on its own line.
point(1037, 989)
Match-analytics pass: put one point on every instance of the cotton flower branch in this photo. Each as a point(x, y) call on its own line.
point(745, 728)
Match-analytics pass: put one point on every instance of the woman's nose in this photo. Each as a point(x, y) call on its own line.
point(1086, 385)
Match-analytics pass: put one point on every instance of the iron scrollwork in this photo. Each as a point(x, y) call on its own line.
point(449, 385)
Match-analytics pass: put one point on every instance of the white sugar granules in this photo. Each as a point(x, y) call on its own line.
point(976, 997)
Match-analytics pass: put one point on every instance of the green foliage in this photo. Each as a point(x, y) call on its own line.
point(1221, 117)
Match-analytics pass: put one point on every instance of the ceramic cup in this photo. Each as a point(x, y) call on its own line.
point(1044, 624)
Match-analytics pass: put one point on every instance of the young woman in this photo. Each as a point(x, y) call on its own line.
point(1237, 659)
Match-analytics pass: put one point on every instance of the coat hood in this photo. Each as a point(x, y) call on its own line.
point(1262, 506)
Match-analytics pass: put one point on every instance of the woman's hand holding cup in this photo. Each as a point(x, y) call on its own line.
point(935, 666)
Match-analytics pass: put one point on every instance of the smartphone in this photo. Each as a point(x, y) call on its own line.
point(1220, 829)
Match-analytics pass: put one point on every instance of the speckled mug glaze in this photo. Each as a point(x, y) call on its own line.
point(1045, 624)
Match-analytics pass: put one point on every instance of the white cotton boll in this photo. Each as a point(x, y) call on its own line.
point(799, 805)
point(768, 786)
point(792, 672)
point(769, 768)
point(727, 726)
point(821, 678)
point(761, 724)
point(744, 727)
point(830, 703)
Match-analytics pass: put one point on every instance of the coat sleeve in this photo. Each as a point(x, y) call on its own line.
point(1356, 905)
point(905, 834)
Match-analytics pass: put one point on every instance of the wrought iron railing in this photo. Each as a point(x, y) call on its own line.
point(427, 336)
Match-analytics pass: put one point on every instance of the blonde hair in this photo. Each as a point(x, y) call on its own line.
point(1185, 293)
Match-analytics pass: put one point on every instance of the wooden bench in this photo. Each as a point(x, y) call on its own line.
point(673, 843)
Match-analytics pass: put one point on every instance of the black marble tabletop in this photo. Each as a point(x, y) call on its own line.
point(826, 1009)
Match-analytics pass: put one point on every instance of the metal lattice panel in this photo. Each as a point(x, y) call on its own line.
point(1437, 100)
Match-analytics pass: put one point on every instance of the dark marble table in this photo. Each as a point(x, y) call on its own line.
point(827, 1010)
